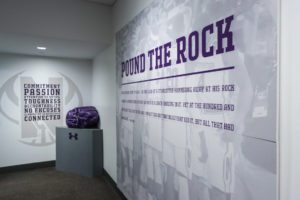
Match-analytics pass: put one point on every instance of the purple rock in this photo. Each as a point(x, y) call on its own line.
point(83, 117)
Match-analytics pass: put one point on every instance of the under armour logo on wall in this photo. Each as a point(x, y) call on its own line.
point(73, 136)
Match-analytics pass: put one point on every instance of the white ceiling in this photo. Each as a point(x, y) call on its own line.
point(68, 28)
point(26, 44)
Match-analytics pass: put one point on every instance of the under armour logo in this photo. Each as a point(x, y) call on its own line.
point(71, 136)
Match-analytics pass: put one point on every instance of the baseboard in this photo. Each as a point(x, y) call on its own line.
point(29, 166)
point(114, 184)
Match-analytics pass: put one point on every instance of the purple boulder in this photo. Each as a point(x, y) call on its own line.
point(83, 117)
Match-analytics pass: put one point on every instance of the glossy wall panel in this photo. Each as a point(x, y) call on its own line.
point(197, 101)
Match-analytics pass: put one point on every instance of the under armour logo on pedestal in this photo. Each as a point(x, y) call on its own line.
point(71, 136)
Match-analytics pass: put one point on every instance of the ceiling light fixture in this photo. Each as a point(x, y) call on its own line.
point(41, 48)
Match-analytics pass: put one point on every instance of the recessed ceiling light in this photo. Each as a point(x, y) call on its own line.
point(41, 48)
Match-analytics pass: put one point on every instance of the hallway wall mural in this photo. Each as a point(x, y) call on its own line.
point(33, 102)
point(41, 106)
point(197, 101)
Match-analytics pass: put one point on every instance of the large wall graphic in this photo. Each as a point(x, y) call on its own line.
point(197, 101)
point(35, 95)
point(40, 104)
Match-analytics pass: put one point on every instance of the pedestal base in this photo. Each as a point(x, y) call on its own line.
point(79, 151)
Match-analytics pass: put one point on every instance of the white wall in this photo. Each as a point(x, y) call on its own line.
point(104, 99)
point(12, 150)
point(289, 151)
point(104, 82)
point(290, 101)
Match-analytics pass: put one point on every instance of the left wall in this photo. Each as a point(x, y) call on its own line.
point(27, 118)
